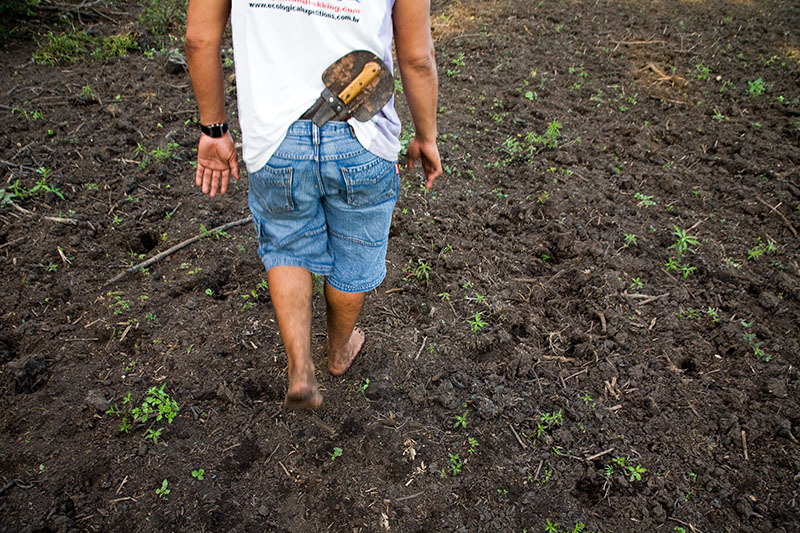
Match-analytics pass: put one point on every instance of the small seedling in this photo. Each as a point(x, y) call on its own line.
point(364, 386)
point(455, 463)
point(153, 435)
point(683, 241)
point(198, 474)
point(163, 491)
point(588, 400)
point(419, 270)
point(337, 452)
point(630, 240)
point(634, 472)
point(644, 201)
point(476, 323)
point(760, 249)
point(757, 87)
point(461, 420)
point(548, 421)
point(473, 445)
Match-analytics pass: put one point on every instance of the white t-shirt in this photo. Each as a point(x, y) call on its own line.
point(282, 47)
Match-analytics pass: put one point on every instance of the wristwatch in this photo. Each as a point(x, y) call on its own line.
point(215, 130)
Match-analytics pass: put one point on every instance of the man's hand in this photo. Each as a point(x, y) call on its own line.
point(216, 162)
point(428, 154)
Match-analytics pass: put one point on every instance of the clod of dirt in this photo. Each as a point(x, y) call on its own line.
point(5, 352)
point(31, 374)
point(97, 400)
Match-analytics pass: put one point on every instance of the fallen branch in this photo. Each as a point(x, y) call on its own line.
point(179, 246)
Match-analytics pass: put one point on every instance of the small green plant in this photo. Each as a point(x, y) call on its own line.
point(163, 492)
point(473, 445)
point(156, 405)
point(461, 421)
point(719, 117)
point(754, 343)
point(588, 400)
point(760, 249)
point(546, 422)
point(636, 284)
point(644, 201)
point(630, 240)
point(153, 434)
point(550, 527)
point(364, 386)
point(703, 71)
point(419, 270)
point(337, 452)
point(756, 87)
point(627, 469)
point(683, 241)
point(552, 134)
point(455, 463)
point(198, 474)
point(476, 323)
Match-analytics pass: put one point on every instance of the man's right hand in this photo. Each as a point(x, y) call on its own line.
point(428, 154)
point(217, 160)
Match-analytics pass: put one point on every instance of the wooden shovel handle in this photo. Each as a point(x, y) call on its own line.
point(368, 73)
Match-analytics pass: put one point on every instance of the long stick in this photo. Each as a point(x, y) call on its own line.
point(184, 244)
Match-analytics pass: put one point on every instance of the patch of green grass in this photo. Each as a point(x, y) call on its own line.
point(67, 48)
point(159, 17)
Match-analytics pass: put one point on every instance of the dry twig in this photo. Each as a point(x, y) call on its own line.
point(179, 246)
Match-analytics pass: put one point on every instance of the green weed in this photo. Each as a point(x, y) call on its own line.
point(163, 492)
point(159, 17)
point(199, 474)
point(419, 270)
point(760, 249)
point(756, 87)
point(476, 323)
point(75, 46)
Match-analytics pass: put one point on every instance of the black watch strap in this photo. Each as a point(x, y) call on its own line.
point(215, 130)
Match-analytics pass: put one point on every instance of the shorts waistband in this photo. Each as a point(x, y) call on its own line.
point(304, 128)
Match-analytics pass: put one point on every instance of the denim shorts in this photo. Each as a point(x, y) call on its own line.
point(325, 203)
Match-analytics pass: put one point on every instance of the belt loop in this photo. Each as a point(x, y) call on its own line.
point(315, 133)
point(352, 130)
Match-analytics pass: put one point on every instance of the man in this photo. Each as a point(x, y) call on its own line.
point(321, 197)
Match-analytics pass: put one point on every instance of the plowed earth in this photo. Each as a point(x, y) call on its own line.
point(528, 355)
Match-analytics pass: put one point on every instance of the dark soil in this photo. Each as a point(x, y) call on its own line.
point(593, 360)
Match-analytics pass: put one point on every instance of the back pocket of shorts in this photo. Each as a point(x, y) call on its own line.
point(371, 183)
point(272, 187)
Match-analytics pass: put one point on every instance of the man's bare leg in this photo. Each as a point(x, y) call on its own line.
point(290, 290)
point(344, 339)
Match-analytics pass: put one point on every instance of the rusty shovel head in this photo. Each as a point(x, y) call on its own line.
point(372, 97)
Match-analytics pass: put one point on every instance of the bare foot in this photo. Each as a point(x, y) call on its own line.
point(338, 363)
point(303, 392)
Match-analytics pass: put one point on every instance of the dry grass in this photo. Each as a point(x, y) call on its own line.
point(463, 17)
